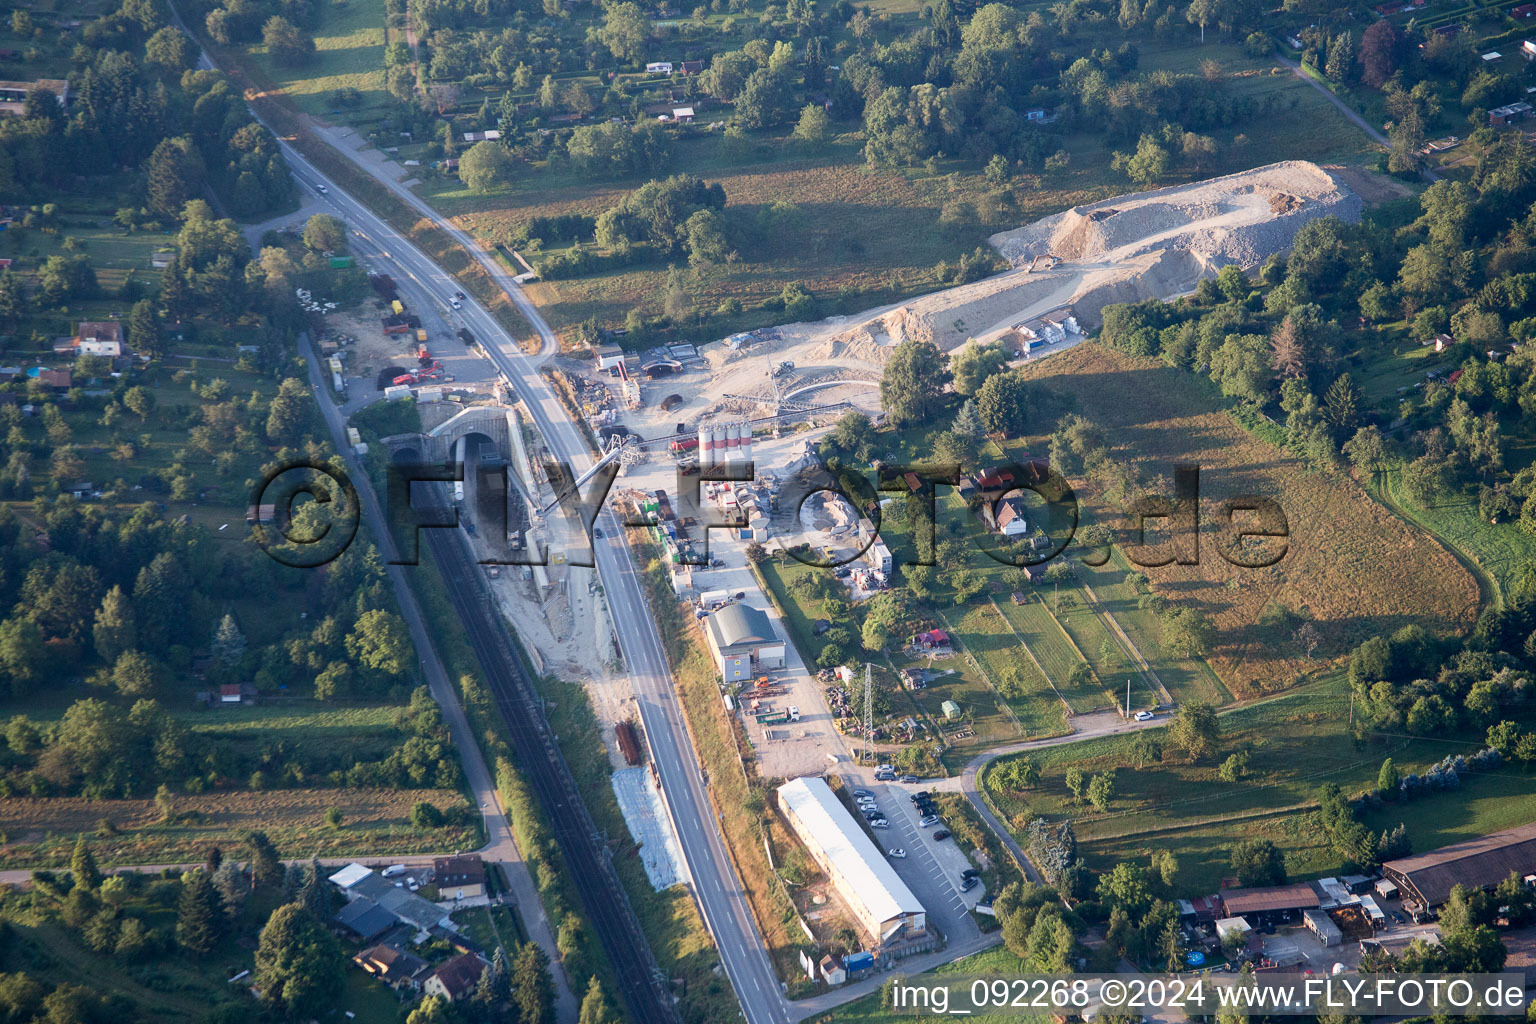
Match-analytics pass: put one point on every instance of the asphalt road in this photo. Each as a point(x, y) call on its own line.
point(499, 846)
point(722, 902)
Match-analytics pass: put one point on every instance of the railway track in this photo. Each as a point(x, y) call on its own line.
point(587, 857)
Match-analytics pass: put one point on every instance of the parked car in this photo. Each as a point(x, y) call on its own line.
point(942, 834)
point(929, 821)
point(872, 813)
point(886, 768)
point(862, 792)
point(393, 870)
point(967, 884)
point(597, 531)
point(909, 779)
point(1144, 716)
point(899, 853)
point(879, 824)
point(970, 873)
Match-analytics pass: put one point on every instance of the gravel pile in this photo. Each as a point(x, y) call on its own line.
point(1239, 218)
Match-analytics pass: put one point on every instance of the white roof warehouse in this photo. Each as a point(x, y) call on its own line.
point(865, 880)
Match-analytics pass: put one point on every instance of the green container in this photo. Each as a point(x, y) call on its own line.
point(340, 262)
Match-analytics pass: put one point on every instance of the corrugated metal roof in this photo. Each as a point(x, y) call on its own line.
point(1298, 896)
point(873, 881)
point(740, 624)
point(1477, 863)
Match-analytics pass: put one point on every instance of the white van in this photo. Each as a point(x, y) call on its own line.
point(393, 870)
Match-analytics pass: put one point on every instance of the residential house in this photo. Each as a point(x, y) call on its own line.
point(683, 115)
point(691, 67)
point(99, 338)
point(1007, 517)
point(1038, 115)
point(456, 978)
point(459, 878)
point(933, 640)
point(396, 968)
point(1528, 47)
point(59, 380)
point(913, 678)
point(13, 95)
point(1509, 113)
point(1442, 342)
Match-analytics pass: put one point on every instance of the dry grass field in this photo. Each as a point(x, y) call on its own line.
point(1351, 567)
point(374, 822)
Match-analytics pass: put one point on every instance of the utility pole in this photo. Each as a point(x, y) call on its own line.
point(1127, 697)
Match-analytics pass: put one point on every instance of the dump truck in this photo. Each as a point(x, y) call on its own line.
point(773, 718)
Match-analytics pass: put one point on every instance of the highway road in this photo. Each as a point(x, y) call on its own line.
point(722, 902)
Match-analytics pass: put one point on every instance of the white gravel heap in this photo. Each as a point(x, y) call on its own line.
point(1239, 218)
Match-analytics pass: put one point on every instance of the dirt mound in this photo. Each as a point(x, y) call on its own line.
point(1239, 218)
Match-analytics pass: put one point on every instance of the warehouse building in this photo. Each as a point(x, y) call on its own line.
point(1426, 879)
point(743, 642)
point(876, 896)
point(1270, 902)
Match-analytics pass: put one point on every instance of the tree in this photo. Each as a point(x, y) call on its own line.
point(486, 166)
point(594, 1005)
point(1341, 403)
point(853, 435)
point(140, 401)
point(286, 42)
point(289, 413)
point(1379, 49)
point(1367, 449)
point(1195, 730)
point(228, 645)
point(533, 991)
point(1187, 632)
point(324, 233)
point(82, 867)
point(135, 674)
point(380, 642)
point(1101, 789)
point(199, 918)
point(912, 385)
point(1201, 12)
point(1257, 862)
point(171, 49)
point(232, 886)
point(144, 329)
point(1149, 163)
point(1341, 56)
point(814, 127)
point(173, 175)
point(764, 100)
point(1126, 886)
point(23, 652)
point(1074, 780)
point(1387, 778)
point(1242, 367)
point(299, 964)
point(973, 364)
point(625, 30)
point(266, 866)
point(1004, 403)
point(1233, 768)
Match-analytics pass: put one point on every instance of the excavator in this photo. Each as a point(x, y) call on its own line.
point(1051, 260)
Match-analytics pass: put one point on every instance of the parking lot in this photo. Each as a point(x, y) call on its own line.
point(931, 867)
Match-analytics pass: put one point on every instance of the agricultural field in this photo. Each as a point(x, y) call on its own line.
point(374, 822)
point(1351, 568)
point(1296, 742)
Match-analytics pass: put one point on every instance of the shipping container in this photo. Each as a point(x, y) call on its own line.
point(421, 335)
point(353, 437)
point(397, 306)
point(396, 391)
